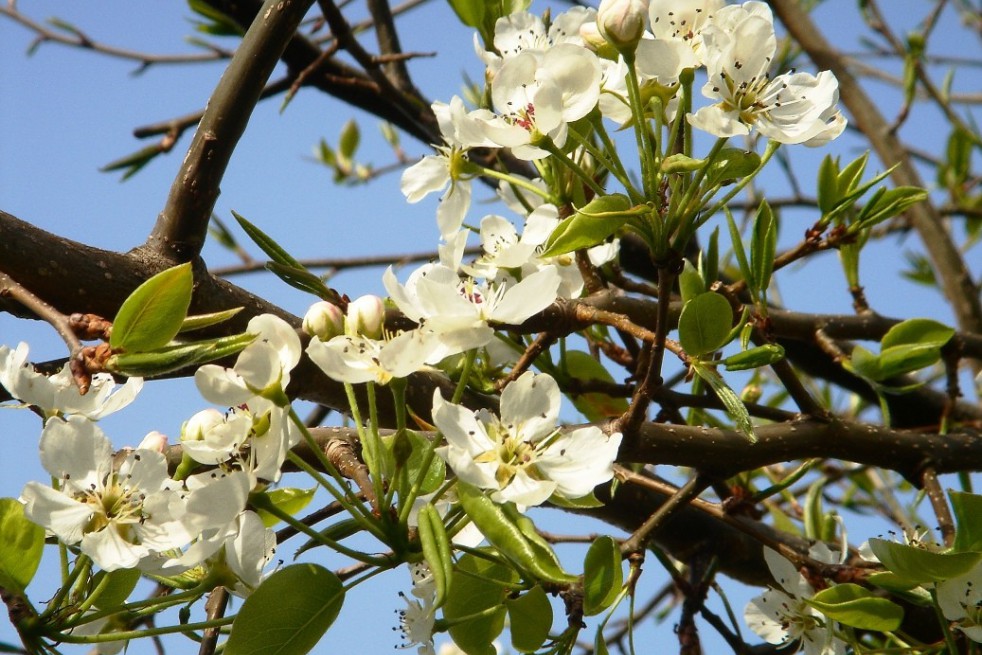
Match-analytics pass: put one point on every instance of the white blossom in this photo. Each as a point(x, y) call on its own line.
point(356, 359)
point(684, 21)
point(537, 93)
point(960, 600)
point(523, 456)
point(458, 309)
point(102, 509)
point(417, 621)
point(447, 170)
point(58, 394)
point(791, 108)
point(781, 616)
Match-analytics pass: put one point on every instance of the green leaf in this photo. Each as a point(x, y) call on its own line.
point(602, 575)
point(272, 249)
point(734, 406)
point(199, 321)
point(732, 164)
point(470, 12)
point(288, 613)
point(595, 406)
point(21, 543)
point(289, 499)
point(705, 324)
point(590, 225)
point(763, 247)
point(858, 607)
point(886, 204)
point(599, 643)
point(828, 183)
point(133, 163)
point(741, 254)
point(920, 331)
point(152, 315)
point(118, 588)
point(680, 163)
point(349, 140)
point(906, 359)
point(299, 277)
point(434, 476)
point(691, 283)
point(477, 585)
point(922, 566)
point(173, 358)
point(769, 353)
point(530, 618)
point(436, 548)
point(504, 534)
point(967, 509)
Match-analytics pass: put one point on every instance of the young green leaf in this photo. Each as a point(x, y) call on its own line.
point(595, 406)
point(922, 566)
point(691, 283)
point(765, 355)
point(288, 613)
point(602, 575)
point(20, 547)
point(705, 324)
point(740, 252)
point(763, 247)
point(435, 544)
point(967, 509)
point(919, 331)
point(200, 321)
point(477, 585)
point(168, 359)
point(590, 225)
point(152, 315)
point(529, 618)
point(734, 406)
point(289, 499)
point(858, 607)
point(272, 249)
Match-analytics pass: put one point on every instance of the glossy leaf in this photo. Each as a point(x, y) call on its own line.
point(117, 589)
point(763, 246)
point(858, 607)
point(529, 618)
point(152, 315)
point(732, 164)
point(434, 476)
point(769, 353)
point(477, 585)
point(590, 225)
point(691, 283)
point(288, 613)
point(289, 499)
point(200, 321)
point(173, 358)
point(922, 566)
point(734, 406)
point(917, 331)
point(967, 509)
point(705, 323)
point(503, 533)
point(435, 543)
point(20, 545)
point(602, 575)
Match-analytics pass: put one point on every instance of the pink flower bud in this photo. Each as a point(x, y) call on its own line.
point(323, 320)
point(366, 316)
point(621, 22)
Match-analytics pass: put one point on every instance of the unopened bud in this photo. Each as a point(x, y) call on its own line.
point(156, 441)
point(196, 427)
point(621, 22)
point(596, 42)
point(366, 315)
point(323, 320)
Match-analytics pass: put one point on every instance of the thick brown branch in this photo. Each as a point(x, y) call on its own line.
point(182, 226)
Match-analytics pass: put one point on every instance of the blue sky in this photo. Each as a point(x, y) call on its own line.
point(64, 113)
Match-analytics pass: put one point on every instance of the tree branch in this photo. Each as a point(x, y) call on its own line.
point(182, 226)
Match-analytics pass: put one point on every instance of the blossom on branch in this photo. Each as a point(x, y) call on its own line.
point(523, 456)
point(58, 394)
